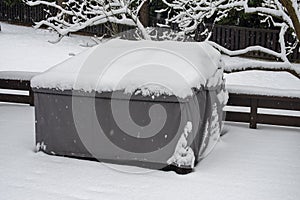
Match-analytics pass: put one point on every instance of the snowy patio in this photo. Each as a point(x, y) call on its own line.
point(246, 163)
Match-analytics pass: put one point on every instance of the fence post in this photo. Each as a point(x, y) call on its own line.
point(253, 113)
point(31, 96)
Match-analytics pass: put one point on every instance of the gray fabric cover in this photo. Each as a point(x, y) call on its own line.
point(58, 133)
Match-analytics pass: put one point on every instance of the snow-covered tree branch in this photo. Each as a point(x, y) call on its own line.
point(283, 14)
point(75, 15)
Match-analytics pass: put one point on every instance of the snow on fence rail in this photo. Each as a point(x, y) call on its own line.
point(230, 37)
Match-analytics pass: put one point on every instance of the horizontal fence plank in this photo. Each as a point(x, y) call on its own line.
point(13, 98)
point(237, 116)
point(278, 120)
point(14, 84)
point(285, 104)
point(239, 100)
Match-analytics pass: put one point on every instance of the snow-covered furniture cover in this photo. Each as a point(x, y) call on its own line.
point(144, 103)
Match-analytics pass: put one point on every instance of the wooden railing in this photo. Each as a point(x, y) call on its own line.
point(259, 101)
point(11, 81)
point(16, 85)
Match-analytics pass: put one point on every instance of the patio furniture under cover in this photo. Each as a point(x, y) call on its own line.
point(143, 103)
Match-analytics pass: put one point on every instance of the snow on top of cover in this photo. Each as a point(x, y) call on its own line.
point(263, 83)
point(158, 67)
point(63, 75)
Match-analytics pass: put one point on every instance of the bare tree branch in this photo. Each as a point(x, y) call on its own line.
point(189, 14)
point(75, 15)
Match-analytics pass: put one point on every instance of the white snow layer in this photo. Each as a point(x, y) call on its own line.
point(238, 63)
point(184, 155)
point(211, 134)
point(223, 97)
point(17, 75)
point(263, 83)
point(167, 67)
point(26, 49)
point(246, 164)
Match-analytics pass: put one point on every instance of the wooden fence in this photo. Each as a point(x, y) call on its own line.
point(22, 14)
point(12, 81)
point(231, 37)
point(23, 85)
point(259, 101)
point(234, 38)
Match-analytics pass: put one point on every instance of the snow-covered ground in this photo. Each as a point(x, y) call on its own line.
point(26, 49)
point(246, 164)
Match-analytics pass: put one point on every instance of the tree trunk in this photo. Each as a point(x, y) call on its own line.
point(292, 13)
point(144, 14)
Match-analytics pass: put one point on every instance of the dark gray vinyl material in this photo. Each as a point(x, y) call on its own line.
point(66, 125)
